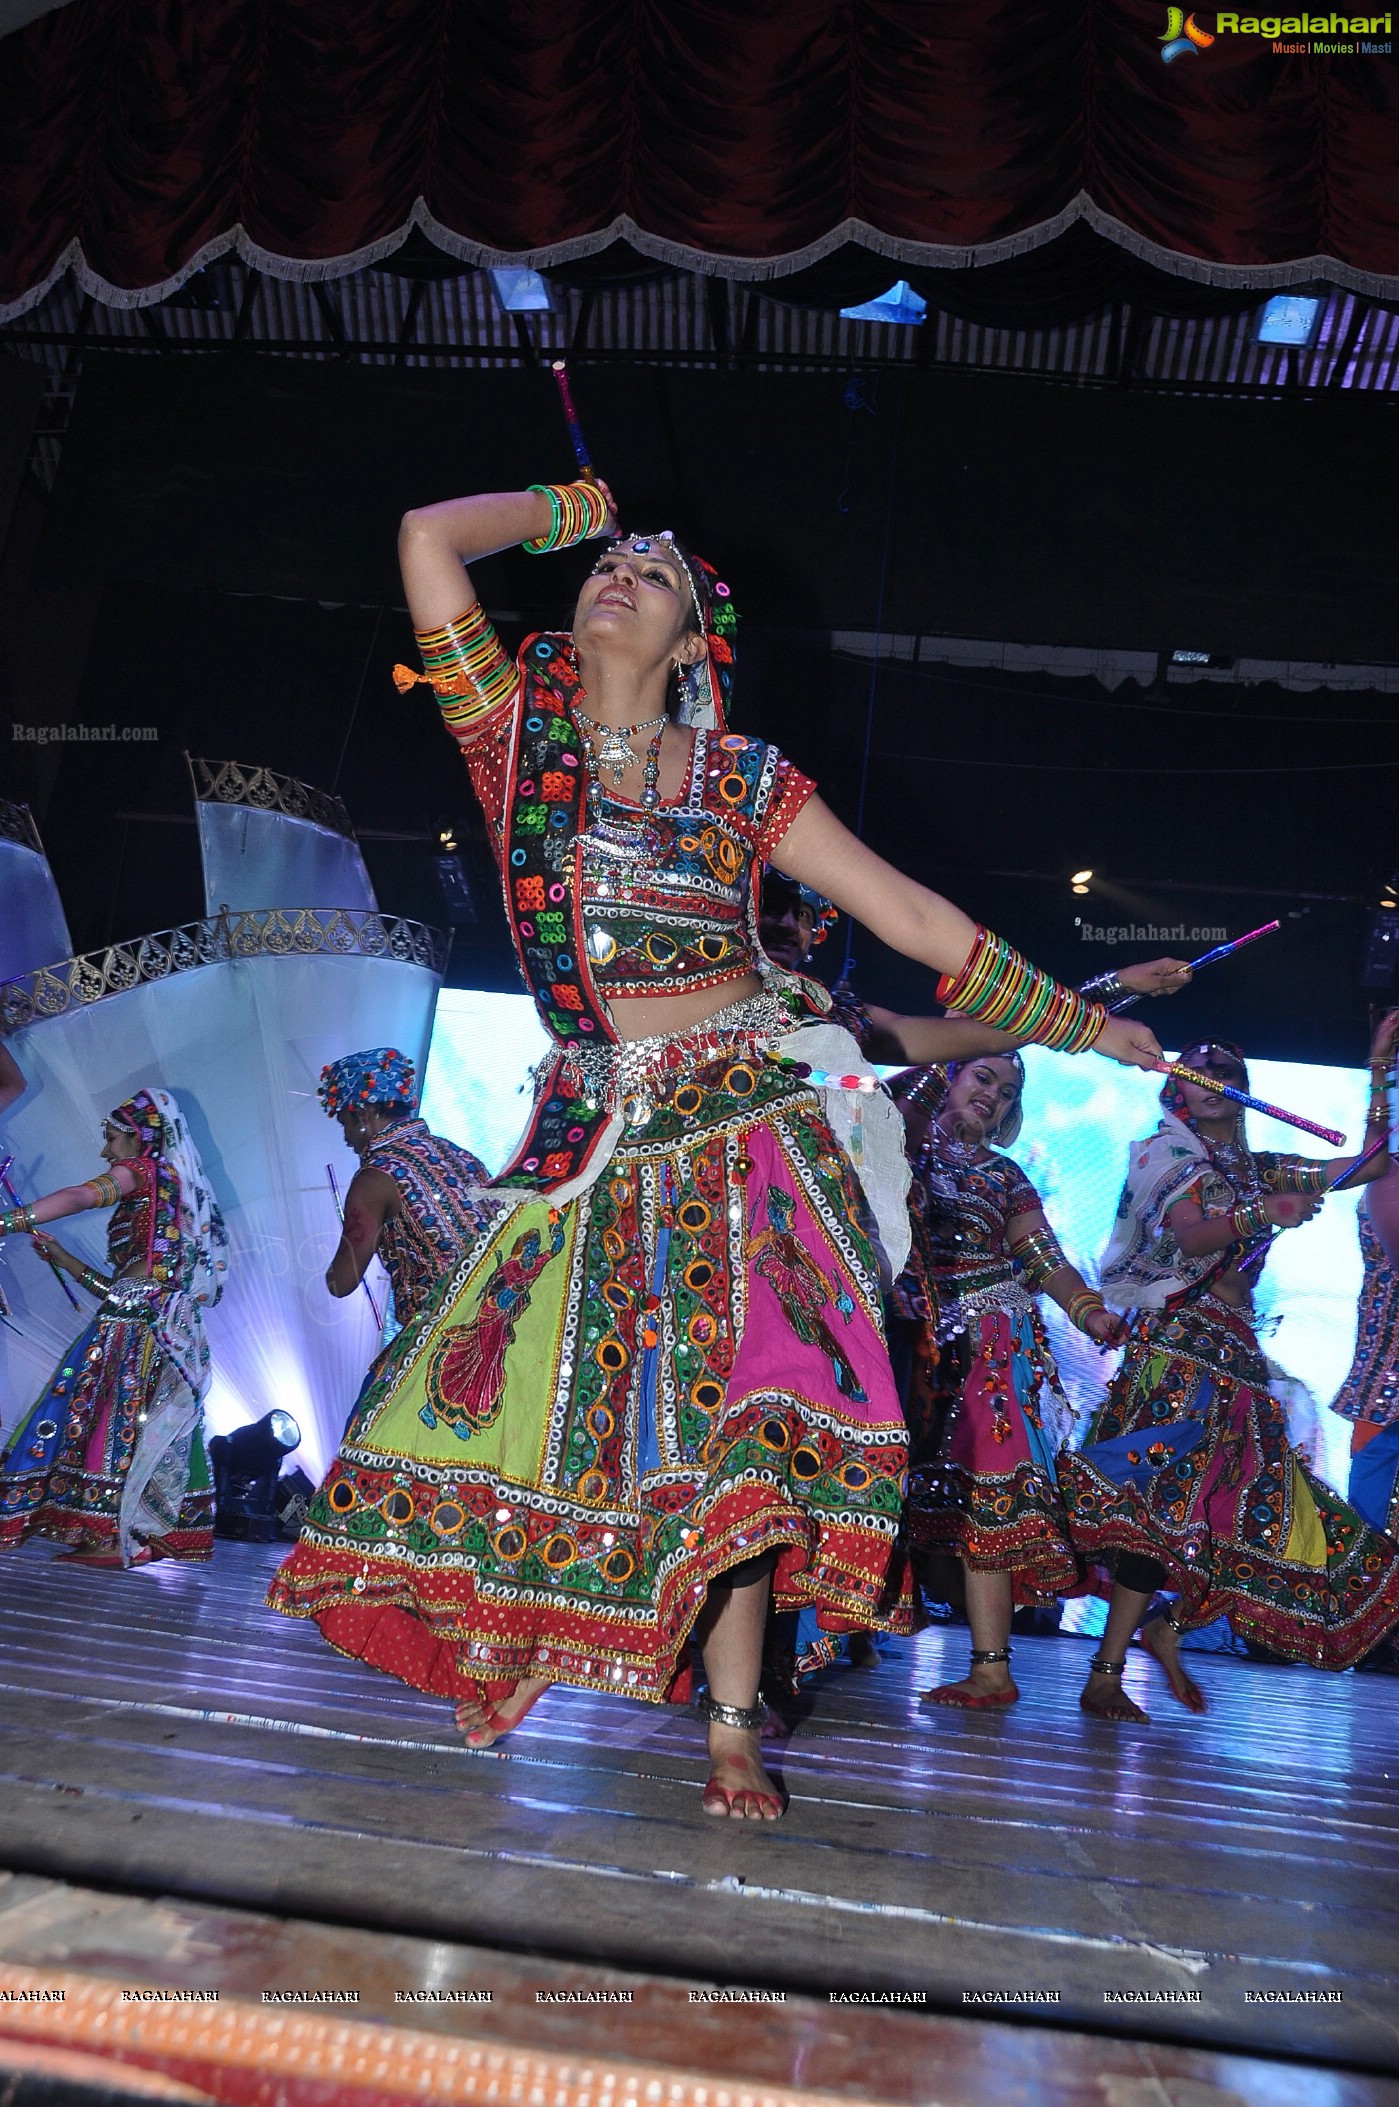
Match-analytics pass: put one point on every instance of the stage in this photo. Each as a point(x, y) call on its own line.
point(163, 1735)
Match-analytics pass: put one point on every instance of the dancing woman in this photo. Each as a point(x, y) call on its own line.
point(990, 1416)
point(1188, 1481)
point(111, 1461)
point(1369, 1396)
point(658, 1394)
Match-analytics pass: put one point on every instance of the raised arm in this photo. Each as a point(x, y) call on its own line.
point(436, 542)
point(818, 851)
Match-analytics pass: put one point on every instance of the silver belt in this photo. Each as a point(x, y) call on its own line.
point(631, 1076)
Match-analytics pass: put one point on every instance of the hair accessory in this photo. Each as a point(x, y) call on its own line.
point(379, 1076)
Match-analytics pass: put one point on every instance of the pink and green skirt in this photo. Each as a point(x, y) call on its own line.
point(614, 1401)
point(1188, 1462)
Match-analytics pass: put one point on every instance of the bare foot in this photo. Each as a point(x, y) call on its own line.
point(738, 1785)
point(1105, 1698)
point(482, 1723)
point(988, 1685)
point(862, 1651)
point(1160, 1640)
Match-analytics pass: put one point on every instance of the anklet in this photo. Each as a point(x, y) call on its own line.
point(980, 1658)
point(749, 1717)
point(1101, 1667)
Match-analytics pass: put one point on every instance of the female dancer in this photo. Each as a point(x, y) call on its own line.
point(1188, 1480)
point(659, 1393)
point(990, 1415)
point(111, 1460)
point(1369, 1396)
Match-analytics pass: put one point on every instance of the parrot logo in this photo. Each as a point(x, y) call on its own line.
point(1182, 34)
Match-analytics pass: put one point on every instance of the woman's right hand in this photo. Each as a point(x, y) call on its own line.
point(61, 1256)
point(1290, 1210)
point(1134, 1045)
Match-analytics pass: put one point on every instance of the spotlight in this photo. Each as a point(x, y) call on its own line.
point(899, 304)
point(1080, 878)
point(1079, 888)
point(1288, 318)
point(246, 1465)
point(448, 840)
point(522, 292)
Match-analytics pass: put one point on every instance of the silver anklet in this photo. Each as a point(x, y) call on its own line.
point(981, 1659)
point(1101, 1667)
point(749, 1717)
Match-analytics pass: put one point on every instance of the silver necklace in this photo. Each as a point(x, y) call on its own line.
point(614, 742)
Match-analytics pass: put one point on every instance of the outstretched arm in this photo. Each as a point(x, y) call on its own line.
point(817, 850)
point(953, 1038)
point(119, 1183)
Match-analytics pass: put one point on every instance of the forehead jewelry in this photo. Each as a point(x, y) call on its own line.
point(664, 545)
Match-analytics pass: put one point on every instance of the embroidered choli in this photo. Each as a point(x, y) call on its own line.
point(441, 1215)
point(966, 1199)
point(666, 896)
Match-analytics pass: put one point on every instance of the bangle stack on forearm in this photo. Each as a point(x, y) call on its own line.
point(17, 1221)
point(998, 986)
point(1038, 1255)
point(579, 512)
point(1084, 1304)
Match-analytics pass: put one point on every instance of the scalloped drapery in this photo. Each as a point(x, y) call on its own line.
point(141, 141)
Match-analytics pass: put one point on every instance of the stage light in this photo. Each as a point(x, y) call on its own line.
point(1080, 878)
point(1288, 318)
point(522, 292)
point(246, 1465)
point(448, 842)
point(899, 304)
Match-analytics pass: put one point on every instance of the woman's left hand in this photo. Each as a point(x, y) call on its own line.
point(62, 1257)
point(1134, 1045)
point(1386, 1037)
point(1105, 1327)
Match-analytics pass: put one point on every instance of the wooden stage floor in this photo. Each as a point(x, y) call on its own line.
point(1226, 1882)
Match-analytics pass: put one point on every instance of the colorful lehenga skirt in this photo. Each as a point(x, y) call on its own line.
point(112, 1455)
point(985, 1423)
point(613, 1401)
point(1188, 1462)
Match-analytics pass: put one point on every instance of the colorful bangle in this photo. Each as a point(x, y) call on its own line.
point(1003, 989)
point(578, 511)
point(929, 1092)
point(1082, 1306)
point(16, 1220)
point(106, 1188)
point(92, 1280)
point(467, 668)
point(1038, 1255)
point(1249, 1218)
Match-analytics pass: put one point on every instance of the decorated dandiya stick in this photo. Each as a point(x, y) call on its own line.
point(575, 430)
point(1253, 1104)
point(340, 1212)
point(1206, 958)
point(1255, 1253)
point(50, 1261)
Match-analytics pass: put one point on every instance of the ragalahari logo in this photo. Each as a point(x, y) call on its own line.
point(1183, 33)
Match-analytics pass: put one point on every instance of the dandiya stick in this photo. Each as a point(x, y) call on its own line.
point(1206, 958)
point(57, 1271)
point(340, 1212)
point(1254, 1104)
point(575, 430)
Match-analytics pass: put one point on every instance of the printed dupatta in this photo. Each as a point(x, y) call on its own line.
point(542, 875)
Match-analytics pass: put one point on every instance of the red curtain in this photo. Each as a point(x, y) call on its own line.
point(733, 135)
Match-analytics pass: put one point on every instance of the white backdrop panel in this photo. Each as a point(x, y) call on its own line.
point(241, 1045)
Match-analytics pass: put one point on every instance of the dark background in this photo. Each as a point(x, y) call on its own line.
point(219, 553)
